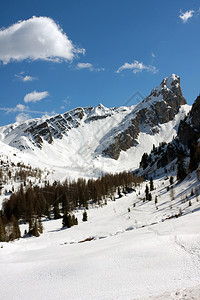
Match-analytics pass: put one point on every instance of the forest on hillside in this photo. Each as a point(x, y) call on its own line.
point(59, 200)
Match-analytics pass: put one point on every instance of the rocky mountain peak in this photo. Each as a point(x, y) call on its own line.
point(169, 90)
point(159, 107)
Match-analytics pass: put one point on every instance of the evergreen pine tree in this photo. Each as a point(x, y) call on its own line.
point(150, 197)
point(2, 231)
point(67, 220)
point(151, 184)
point(40, 226)
point(197, 193)
point(119, 193)
point(147, 193)
point(181, 171)
point(84, 216)
point(56, 211)
point(35, 231)
point(171, 180)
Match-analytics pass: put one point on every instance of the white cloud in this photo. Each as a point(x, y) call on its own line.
point(21, 107)
point(35, 96)
point(28, 78)
point(84, 66)
point(36, 38)
point(25, 78)
point(153, 55)
point(18, 107)
point(22, 117)
point(185, 16)
point(136, 67)
point(89, 66)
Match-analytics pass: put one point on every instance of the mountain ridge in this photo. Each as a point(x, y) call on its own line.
point(91, 140)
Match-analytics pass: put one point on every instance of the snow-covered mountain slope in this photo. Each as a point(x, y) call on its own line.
point(183, 151)
point(116, 254)
point(89, 141)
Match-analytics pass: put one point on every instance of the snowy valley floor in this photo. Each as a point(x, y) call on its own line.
point(131, 255)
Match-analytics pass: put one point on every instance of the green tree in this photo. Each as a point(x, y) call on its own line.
point(67, 220)
point(171, 180)
point(147, 193)
point(56, 211)
point(40, 226)
point(35, 231)
point(151, 184)
point(85, 217)
point(2, 231)
point(181, 170)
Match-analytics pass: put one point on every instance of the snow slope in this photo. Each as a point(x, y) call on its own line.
point(131, 255)
point(78, 154)
point(86, 142)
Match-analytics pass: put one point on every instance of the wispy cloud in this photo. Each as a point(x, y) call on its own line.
point(88, 66)
point(67, 101)
point(21, 107)
point(24, 112)
point(22, 117)
point(17, 108)
point(137, 67)
point(185, 16)
point(25, 78)
point(36, 38)
point(35, 96)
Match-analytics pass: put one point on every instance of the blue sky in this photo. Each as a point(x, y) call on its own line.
point(80, 53)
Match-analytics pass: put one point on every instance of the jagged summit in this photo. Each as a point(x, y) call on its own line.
point(169, 88)
point(161, 106)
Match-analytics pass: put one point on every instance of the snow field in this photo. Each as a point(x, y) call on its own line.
point(136, 255)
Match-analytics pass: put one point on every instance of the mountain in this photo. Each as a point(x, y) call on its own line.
point(160, 107)
point(89, 141)
point(184, 150)
point(145, 230)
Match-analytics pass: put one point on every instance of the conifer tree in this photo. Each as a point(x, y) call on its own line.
point(119, 193)
point(15, 234)
point(197, 193)
point(171, 180)
point(150, 197)
point(56, 211)
point(147, 193)
point(2, 231)
point(181, 170)
point(67, 220)
point(35, 231)
point(151, 184)
point(40, 226)
point(84, 216)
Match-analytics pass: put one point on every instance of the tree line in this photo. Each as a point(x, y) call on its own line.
point(31, 203)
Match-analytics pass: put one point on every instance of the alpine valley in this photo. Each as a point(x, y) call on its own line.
point(103, 203)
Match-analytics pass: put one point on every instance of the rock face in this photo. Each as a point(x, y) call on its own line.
point(189, 128)
point(159, 107)
point(186, 145)
point(38, 131)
